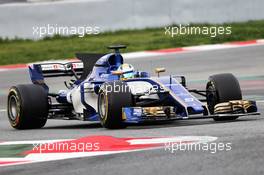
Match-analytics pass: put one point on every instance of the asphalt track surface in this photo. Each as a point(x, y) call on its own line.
point(246, 134)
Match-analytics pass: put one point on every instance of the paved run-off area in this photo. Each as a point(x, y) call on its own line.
point(245, 134)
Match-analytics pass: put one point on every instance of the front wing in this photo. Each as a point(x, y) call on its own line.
point(168, 113)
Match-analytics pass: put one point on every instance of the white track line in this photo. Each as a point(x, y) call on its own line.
point(2, 110)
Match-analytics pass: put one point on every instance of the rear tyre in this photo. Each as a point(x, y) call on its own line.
point(111, 98)
point(222, 88)
point(27, 106)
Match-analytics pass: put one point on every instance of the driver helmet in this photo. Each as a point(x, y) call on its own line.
point(127, 69)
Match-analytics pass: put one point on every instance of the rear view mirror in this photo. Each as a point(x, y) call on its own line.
point(158, 70)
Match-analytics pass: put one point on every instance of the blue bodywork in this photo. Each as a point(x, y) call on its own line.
point(183, 102)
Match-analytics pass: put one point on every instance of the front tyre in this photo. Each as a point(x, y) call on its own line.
point(222, 88)
point(27, 106)
point(112, 97)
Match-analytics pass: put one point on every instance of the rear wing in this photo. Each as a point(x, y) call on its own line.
point(83, 67)
point(58, 69)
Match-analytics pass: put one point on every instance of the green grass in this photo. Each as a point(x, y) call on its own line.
point(14, 150)
point(58, 47)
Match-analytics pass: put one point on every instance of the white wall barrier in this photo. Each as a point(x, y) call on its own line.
point(18, 20)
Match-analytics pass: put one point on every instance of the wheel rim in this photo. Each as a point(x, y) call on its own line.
point(12, 108)
point(102, 105)
point(211, 97)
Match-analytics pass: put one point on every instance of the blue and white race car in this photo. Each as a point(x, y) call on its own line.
point(108, 90)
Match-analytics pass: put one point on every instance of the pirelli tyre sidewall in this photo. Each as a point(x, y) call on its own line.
point(27, 106)
point(110, 104)
point(222, 88)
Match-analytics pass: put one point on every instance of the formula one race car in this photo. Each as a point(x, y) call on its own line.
point(107, 90)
